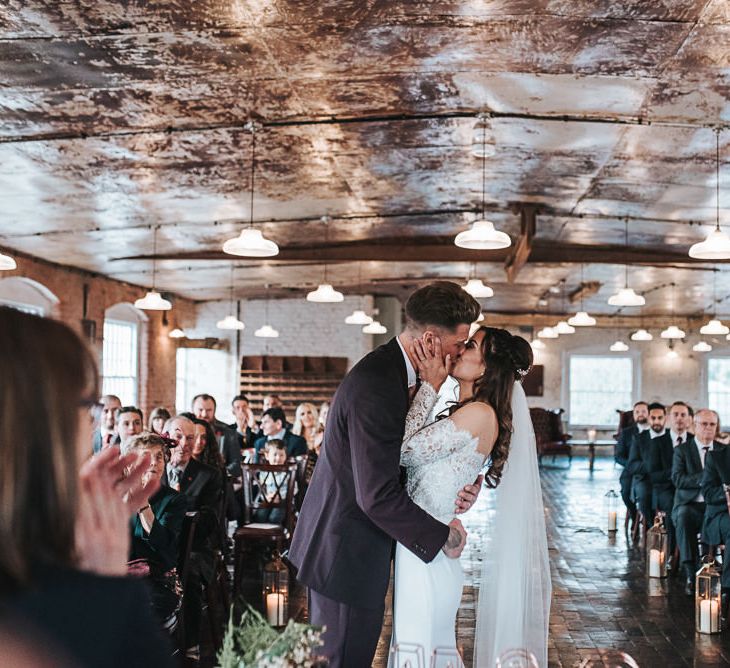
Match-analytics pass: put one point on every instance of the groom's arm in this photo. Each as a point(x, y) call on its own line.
point(375, 432)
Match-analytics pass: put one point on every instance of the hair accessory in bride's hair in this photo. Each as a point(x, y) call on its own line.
point(523, 372)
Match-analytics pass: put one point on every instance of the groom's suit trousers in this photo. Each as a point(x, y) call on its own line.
point(352, 633)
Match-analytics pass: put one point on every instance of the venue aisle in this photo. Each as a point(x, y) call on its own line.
point(601, 597)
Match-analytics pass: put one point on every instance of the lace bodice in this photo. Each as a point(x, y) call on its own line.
point(439, 458)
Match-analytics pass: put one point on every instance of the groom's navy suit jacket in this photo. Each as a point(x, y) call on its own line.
point(356, 505)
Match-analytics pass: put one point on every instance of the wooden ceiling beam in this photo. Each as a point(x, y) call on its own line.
point(521, 250)
point(539, 320)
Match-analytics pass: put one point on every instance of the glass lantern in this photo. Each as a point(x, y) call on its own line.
point(610, 502)
point(275, 591)
point(657, 549)
point(708, 597)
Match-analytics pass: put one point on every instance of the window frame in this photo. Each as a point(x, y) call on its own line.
point(705, 380)
point(125, 314)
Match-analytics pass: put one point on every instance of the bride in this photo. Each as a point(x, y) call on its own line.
point(489, 427)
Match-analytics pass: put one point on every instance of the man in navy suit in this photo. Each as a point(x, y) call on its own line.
point(623, 450)
point(639, 461)
point(356, 506)
point(273, 426)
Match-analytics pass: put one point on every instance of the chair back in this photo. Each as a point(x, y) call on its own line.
point(625, 419)
point(268, 487)
point(548, 425)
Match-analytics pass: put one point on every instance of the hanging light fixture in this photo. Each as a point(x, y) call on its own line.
point(477, 289)
point(671, 352)
point(626, 295)
point(153, 300)
point(266, 331)
point(717, 244)
point(563, 327)
point(7, 263)
point(480, 147)
point(375, 328)
point(714, 327)
point(618, 347)
point(672, 332)
point(358, 316)
point(537, 344)
point(251, 242)
point(230, 321)
point(548, 333)
point(581, 318)
point(702, 347)
point(177, 333)
point(641, 335)
point(325, 293)
point(482, 235)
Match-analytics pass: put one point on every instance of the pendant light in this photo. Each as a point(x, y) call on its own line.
point(230, 321)
point(671, 352)
point(581, 318)
point(177, 333)
point(702, 347)
point(618, 347)
point(153, 300)
point(251, 243)
point(476, 288)
point(375, 328)
point(717, 244)
point(537, 344)
point(548, 333)
point(714, 327)
point(672, 332)
point(626, 295)
point(266, 331)
point(325, 293)
point(641, 335)
point(563, 327)
point(7, 263)
point(358, 316)
point(482, 235)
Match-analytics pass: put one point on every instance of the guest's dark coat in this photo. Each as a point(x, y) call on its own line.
point(249, 438)
point(231, 444)
point(638, 462)
point(659, 463)
point(716, 473)
point(295, 445)
point(622, 449)
point(162, 545)
point(686, 473)
point(356, 505)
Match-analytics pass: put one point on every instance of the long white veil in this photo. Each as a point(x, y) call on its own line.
point(514, 596)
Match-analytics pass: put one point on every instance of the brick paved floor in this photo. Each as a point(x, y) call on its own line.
point(601, 598)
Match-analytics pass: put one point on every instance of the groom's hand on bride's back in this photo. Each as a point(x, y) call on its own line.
point(467, 497)
point(456, 541)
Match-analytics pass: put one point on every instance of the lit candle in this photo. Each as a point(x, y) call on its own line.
point(591, 435)
point(275, 609)
point(655, 563)
point(612, 520)
point(709, 618)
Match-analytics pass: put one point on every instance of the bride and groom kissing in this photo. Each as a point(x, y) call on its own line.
point(357, 505)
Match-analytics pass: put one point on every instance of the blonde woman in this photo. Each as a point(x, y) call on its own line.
point(306, 423)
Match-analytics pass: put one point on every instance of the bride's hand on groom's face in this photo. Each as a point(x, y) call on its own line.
point(431, 366)
point(456, 540)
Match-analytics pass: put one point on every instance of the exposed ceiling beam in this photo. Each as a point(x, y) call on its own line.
point(584, 291)
point(523, 246)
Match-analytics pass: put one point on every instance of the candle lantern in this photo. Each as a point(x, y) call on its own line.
point(708, 597)
point(591, 435)
point(657, 549)
point(610, 502)
point(275, 591)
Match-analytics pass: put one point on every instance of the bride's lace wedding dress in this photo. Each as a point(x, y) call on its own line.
point(440, 460)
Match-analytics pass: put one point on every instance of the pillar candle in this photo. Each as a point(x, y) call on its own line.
point(655, 564)
point(275, 609)
point(709, 618)
point(612, 520)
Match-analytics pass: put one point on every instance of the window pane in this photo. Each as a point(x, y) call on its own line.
point(598, 386)
point(119, 359)
point(718, 388)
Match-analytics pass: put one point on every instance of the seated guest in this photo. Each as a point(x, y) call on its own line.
point(273, 484)
point(659, 468)
point(716, 524)
point(245, 423)
point(272, 426)
point(157, 420)
point(274, 401)
point(689, 504)
point(205, 444)
point(202, 486)
point(156, 529)
point(306, 423)
point(128, 423)
point(623, 449)
point(639, 454)
point(679, 421)
point(62, 571)
point(229, 441)
point(106, 435)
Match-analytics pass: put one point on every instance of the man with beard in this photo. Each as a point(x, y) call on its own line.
point(623, 449)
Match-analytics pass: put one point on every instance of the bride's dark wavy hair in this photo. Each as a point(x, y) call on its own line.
point(507, 358)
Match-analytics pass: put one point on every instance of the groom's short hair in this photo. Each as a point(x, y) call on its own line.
point(441, 304)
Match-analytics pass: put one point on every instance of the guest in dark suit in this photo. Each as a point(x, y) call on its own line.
point(689, 504)
point(659, 468)
point(62, 570)
point(356, 506)
point(638, 464)
point(272, 426)
point(129, 422)
point(229, 441)
point(245, 425)
point(623, 450)
point(203, 489)
point(716, 525)
point(105, 434)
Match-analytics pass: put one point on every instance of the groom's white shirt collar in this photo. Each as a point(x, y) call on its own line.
point(410, 371)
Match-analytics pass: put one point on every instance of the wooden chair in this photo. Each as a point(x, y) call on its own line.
point(280, 481)
point(187, 537)
point(549, 434)
point(302, 462)
point(626, 419)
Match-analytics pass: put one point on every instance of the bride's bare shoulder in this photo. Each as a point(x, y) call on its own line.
point(476, 417)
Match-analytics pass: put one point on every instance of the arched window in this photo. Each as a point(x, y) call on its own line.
point(120, 352)
point(27, 295)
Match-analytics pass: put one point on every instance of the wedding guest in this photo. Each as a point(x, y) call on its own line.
point(156, 530)
point(158, 417)
point(623, 449)
point(274, 401)
point(64, 526)
point(680, 419)
point(272, 484)
point(689, 504)
point(306, 423)
point(128, 422)
point(230, 443)
point(272, 426)
point(245, 421)
point(324, 410)
point(639, 454)
point(205, 444)
point(105, 435)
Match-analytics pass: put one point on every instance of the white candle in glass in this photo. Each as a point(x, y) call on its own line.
point(591, 435)
point(655, 564)
point(275, 609)
point(612, 520)
point(709, 619)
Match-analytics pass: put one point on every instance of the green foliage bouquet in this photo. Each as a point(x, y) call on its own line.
point(254, 644)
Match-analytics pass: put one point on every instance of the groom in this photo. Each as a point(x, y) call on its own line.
point(356, 505)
